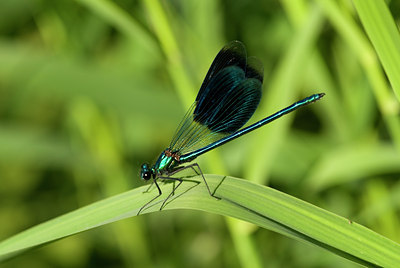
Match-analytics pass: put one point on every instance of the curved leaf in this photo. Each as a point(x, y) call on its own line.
point(242, 199)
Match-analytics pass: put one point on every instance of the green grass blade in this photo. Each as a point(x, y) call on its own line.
point(384, 35)
point(355, 38)
point(241, 199)
point(122, 20)
point(169, 44)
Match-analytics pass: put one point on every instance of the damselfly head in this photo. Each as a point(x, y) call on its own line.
point(146, 172)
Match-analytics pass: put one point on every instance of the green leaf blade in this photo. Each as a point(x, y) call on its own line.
point(384, 35)
point(263, 206)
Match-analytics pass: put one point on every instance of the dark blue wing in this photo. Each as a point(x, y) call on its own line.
point(232, 54)
point(227, 99)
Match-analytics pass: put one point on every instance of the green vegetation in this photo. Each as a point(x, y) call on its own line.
point(91, 89)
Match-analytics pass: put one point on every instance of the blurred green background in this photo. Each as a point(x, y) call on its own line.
point(90, 89)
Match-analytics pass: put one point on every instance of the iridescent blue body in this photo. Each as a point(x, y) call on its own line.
point(228, 97)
